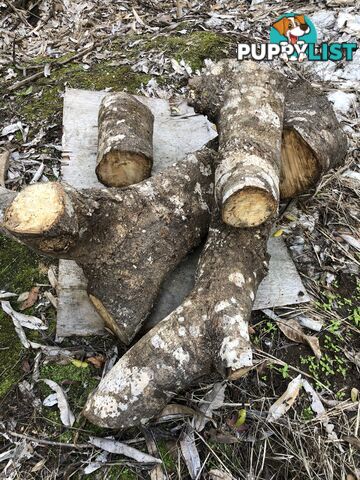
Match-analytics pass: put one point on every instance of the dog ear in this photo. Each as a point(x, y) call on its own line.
point(301, 19)
point(281, 25)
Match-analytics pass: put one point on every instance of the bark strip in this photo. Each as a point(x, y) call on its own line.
point(313, 140)
point(126, 240)
point(207, 333)
point(125, 145)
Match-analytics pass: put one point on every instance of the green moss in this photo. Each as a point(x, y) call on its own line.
point(193, 48)
point(19, 271)
point(81, 381)
point(117, 472)
point(167, 457)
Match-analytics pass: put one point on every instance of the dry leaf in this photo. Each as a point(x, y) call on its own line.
point(98, 361)
point(157, 472)
point(216, 474)
point(173, 410)
point(27, 321)
point(354, 441)
point(211, 401)
point(52, 277)
point(113, 446)
point(283, 404)
point(66, 415)
point(31, 298)
point(293, 331)
point(190, 452)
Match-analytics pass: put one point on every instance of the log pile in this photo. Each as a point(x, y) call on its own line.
point(273, 143)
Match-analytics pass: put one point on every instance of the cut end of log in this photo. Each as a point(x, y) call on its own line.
point(36, 209)
point(248, 207)
point(300, 169)
point(121, 169)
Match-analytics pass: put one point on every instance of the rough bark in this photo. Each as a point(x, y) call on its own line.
point(207, 333)
point(125, 146)
point(249, 118)
point(312, 141)
point(126, 240)
point(6, 197)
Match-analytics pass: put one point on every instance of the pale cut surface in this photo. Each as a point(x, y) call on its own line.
point(300, 169)
point(36, 209)
point(120, 169)
point(249, 207)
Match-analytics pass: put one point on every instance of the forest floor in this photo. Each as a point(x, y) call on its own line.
point(152, 48)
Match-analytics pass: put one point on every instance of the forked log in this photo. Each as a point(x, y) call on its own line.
point(126, 240)
point(125, 145)
point(207, 333)
point(312, 139)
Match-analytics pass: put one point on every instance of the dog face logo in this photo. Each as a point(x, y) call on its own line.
point(292, 27)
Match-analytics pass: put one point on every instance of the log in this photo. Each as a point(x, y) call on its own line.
point(249, 105)
point(125, 144)
point(126, 240)
point(208, 333)
point(312, 139)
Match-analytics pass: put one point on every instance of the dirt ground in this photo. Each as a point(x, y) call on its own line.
point(153, 48)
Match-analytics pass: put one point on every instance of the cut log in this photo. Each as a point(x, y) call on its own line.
point(126, 240)
point(207, 333)
point(312, 142)
point(125, 145)
point(249, 118)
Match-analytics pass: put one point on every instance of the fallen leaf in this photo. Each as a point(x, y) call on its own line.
point(27, 321)
point(98, 361)
point(114, 446)
point(12, 128)
point(66, 415)
point(354, 394)
point(5, 295)
point(283, 403)
point(211, 401)
point(31, 299)
point(241, 419)
point(157, 472)
point(354, 441)
point(79, 363)
point(216, 474)
point(293, 331)
point(316, 403)
point(190, 452)
point(52, 277)
point(18, 328)
point(173, 410)
point(278, 233)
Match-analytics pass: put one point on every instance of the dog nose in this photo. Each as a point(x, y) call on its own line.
point(304, 26)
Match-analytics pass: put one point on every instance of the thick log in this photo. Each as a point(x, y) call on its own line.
point(126, 240)
point(207, 333)
point(249, 119)
point(312, 142)
point(125, 145)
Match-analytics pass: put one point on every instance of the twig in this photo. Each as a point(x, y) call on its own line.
point(18, 13)
point(35, 76)
point(41, 441)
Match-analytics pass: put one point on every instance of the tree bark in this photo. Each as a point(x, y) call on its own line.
point(312, 140)
point(126, 240)
point(207, 333)
point(249, 117)
point(125, 153)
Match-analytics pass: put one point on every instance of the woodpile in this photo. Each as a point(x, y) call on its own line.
point(275, 141)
